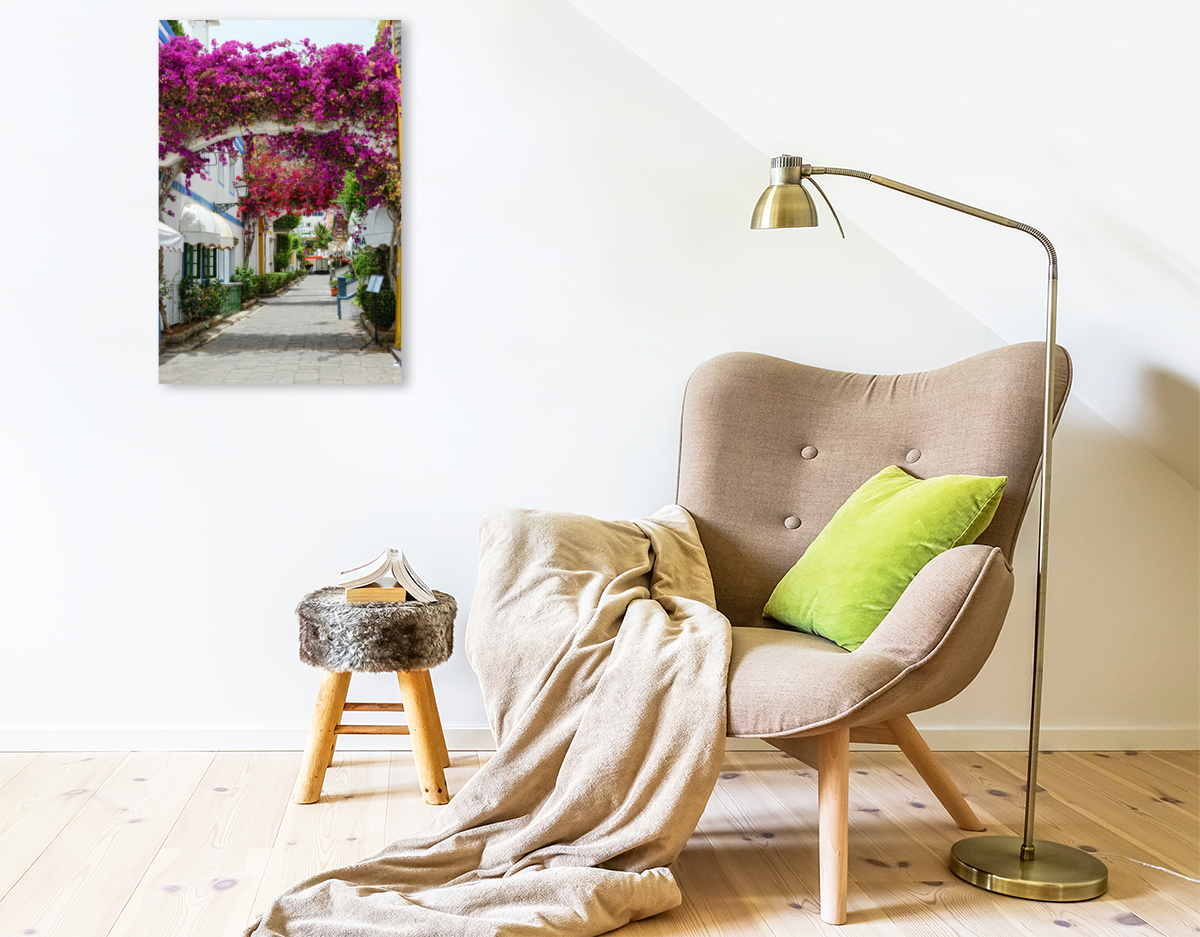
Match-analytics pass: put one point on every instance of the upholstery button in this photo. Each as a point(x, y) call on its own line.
point(792, 522)
point(913, 455)
point(808, 452)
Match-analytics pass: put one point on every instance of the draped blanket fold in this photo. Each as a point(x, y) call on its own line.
point(603, 665)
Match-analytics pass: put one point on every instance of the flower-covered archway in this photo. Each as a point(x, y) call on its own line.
point(308, 115)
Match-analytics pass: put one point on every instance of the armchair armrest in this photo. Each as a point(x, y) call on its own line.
point(943, 596)
point(942, 630)
point(930, 646)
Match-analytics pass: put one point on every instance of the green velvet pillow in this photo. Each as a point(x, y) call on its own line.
point(858, 566)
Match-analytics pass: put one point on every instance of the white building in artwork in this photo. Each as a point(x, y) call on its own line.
point(204, 213)
point(316, 257)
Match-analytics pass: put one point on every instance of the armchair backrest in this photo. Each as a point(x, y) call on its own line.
point(770, 449)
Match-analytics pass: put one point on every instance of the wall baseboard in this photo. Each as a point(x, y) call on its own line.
point(291, 738)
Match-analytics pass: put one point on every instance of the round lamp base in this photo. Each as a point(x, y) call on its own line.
point(1055, 873)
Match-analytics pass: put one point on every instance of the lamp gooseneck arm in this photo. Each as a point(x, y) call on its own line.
point(1039, 634)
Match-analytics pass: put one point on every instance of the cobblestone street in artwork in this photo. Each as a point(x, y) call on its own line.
point(295, 337)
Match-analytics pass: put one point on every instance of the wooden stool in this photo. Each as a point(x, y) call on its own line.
point(406, 637)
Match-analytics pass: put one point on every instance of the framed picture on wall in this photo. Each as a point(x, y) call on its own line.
point(279, 196)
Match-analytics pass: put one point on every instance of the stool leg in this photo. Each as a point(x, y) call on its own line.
point(421, 709)
point(338, 707)
point(440, 736)
point(331, 699)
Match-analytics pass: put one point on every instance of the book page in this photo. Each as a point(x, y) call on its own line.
point(368, 572)
point(406, 577)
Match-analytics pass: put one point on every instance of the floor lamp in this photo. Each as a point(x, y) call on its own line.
point(1009, 865)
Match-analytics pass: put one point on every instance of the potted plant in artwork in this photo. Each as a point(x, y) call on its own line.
point(332, 285)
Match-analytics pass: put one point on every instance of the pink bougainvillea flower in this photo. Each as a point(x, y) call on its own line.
point(351, 92)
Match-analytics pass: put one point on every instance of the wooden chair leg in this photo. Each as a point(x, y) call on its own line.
point(332, 745)
point(833, 786)
point(331, 699)
point(440, 735)
point(420, 708)
point(944, 789)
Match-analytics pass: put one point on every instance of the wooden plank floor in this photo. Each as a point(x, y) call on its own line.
point(160, 844)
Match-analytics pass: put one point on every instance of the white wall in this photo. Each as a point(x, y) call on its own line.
point(1074, 116)
point(577, 242)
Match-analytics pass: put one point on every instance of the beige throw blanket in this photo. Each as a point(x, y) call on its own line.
point(603, 665)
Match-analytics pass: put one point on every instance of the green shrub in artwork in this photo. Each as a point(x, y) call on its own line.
point(369, 261)
point(380, 307)
point(270, 282)
point(260, 284)
point(364, 264)
point(246, 276)
point(200, 299)
point(166, 288)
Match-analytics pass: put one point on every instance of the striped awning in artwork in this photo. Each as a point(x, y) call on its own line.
point(168, 238)
point(203, 228)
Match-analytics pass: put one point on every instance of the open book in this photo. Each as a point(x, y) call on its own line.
point(393, 563)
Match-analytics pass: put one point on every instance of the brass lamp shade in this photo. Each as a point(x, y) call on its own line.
point(784, 206)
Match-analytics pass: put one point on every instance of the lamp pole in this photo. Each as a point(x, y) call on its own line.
point(1009, 865)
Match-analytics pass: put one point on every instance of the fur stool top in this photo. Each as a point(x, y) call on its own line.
point(338, 636)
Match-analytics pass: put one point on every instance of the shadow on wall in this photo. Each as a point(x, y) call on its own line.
point(1172, 425)
point(1124, 592)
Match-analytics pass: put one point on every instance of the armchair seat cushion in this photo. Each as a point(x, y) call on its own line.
point(767, 695)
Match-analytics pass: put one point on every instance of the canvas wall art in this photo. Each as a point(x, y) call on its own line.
point(279, 202)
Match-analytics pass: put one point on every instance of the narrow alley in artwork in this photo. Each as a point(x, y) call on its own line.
point(294, 337)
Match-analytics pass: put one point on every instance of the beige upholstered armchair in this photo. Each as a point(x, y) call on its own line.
point(769, 450)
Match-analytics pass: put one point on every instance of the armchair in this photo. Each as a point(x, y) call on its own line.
point(769, 450)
